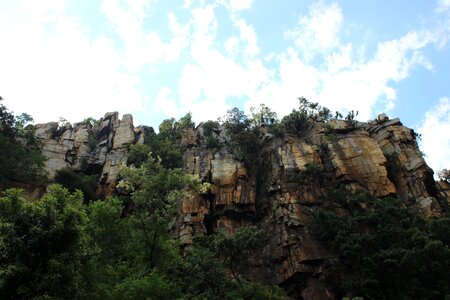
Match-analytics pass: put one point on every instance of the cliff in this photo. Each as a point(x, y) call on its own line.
point(92, 147)
point(279, 195)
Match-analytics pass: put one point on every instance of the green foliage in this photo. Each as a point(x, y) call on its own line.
point(383, 251)
point(155, 192)
point(213, 143)
point(263, 115)
point(312, 172)
point(295, 122)
point(61, 248)
point(210, 260)
point(236, 250)
point(41, 244)
point(152, 286)
point(209, 127)
point(209, 132)
point(73, 181)
point(416, 135)
point(138, 154)
point(299, 120)
point(90, 121)
point(243, 138)
point(166, 145)
point(20, 152)
point(201, 275)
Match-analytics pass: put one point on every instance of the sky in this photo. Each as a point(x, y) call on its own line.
point(158, 59)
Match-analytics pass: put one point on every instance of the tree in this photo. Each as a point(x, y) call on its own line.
point(243, 139)
point(299, 120)
point(138, 154)
point(205, 271)
point(20, 152)
point(166, 145)
point(41, 244)
point(236, 250)
point(383, 251)
point(155, 192)
point(263, 115)
point(73, 181)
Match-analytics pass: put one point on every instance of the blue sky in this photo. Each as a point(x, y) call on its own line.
point(159, 59)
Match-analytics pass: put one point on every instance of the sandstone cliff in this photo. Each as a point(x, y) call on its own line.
point(382, 158)
point(93, 147)
point(280, 196)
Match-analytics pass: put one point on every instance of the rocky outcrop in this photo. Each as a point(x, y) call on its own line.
point(94, 147)
point(381, 158)
point(279, 195)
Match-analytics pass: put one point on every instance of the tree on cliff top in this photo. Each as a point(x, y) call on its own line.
point(20, 152)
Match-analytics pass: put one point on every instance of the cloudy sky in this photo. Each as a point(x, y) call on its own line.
point(158, 59)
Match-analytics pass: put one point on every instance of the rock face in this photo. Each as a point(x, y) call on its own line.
point(98, 147)
point(381, 158)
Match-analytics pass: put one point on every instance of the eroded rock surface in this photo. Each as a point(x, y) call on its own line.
point(381, 158)
point(98, 148)
point(279, 196)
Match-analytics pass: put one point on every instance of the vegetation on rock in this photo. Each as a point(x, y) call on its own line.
point(382, 250)
point(68, 245)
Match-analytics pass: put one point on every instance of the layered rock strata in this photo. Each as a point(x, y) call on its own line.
point(381, 158)
point(279, 196)
point(93, 147)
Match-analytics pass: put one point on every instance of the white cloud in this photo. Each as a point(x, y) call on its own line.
point(240, 5)
point(46, 10)
point(68, 65)
point(50, 68)
point(141, 47)
point(435, 130)
point(248, 36)
point(319, 31)
point(343, 81)
point(165, 102)
point(443, 4)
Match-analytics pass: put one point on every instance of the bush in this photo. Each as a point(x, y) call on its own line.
point(209, 132)
point(244, 139)
point(138, 154)
point(350, 119)
point(41, 245)
point(383, 251)
point(21, 158)
point(166, 145)
point(299, 120)
point(73, 181)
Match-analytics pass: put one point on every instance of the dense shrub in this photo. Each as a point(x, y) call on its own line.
point(73, 181)
point(244, 139)
point(21, 158)
point(138, 154)
point(299, 119)
point(210, 129)
point(383, 251)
